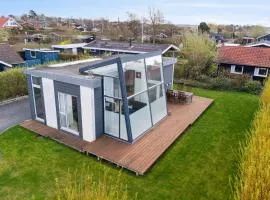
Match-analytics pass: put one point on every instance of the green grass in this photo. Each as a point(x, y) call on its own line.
point(198, 166)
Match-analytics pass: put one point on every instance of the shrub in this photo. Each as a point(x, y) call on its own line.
point(221, 83)
point(253, 179)
point(13, 83)
point(87, 185)
point(253, 87)
point(71, 57)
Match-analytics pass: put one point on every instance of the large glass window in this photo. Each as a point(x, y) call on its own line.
point(68, 111)
point(38, 101)
point(158, 103)
point(154, 70)
point(134, 74)
point(139, 114)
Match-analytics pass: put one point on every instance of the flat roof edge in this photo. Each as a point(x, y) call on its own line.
point(84, 81)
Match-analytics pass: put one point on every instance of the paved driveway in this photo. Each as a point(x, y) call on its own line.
point(14, 113)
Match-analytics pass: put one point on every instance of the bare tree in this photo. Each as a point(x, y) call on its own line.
point(156, 18)
point(133, 24)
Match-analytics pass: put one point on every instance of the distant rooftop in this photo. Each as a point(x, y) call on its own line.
point(69, 46)
point(8, 56)
point(128, 47)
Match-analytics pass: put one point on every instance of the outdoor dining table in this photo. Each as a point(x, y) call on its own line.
point(188, 96)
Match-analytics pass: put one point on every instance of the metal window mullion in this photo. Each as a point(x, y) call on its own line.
point(124, 99)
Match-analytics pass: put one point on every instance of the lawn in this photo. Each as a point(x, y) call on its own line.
point(198, 166)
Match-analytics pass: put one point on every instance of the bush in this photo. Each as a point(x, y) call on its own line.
point(13, 83)
point(253, 87)
point(222, 82)
point(71, 57)
point(253, 179)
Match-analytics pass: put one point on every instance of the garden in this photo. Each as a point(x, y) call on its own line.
point(201, 164)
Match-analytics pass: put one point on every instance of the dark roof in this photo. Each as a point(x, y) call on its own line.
point(263, 36)
point(250, 56)
point(126, 47)
point(9, 56)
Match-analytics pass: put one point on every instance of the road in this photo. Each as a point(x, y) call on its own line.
point(14, 113)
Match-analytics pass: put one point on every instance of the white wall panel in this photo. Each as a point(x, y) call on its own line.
point(49, 102)
point(88, 114)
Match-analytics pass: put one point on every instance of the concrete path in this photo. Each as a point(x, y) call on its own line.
point(14, 113)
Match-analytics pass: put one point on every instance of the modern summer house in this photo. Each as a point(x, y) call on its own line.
point(122, 96)
point(254, 61)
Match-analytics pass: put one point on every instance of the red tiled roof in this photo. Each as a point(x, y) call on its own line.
point(250, 56)
point(3, 20)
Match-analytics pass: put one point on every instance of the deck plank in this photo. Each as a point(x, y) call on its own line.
point(141, 155)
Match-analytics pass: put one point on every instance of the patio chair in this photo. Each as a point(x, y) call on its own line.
point(181, 97)
point(170, 96)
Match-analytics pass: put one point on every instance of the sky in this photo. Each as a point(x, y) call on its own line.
point(176, 11)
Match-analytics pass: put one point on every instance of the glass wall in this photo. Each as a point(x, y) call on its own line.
point(145, 91)
point(114, 118)
point(158, 103)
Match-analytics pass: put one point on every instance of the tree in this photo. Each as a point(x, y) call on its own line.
point(257, 31)
point(134, 25)
point(4, 35)
point(199, 52)
point(156, 18)
point(204, 28)
point(32, 14)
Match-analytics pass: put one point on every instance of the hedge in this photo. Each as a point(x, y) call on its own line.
point(13, 84)
point(253, 179)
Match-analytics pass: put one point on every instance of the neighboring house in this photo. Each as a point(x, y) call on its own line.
point(123, 96)
point(247, 40)
point(217, 37)
point(9, 58)
point(70, 48)
point(9, 22)
point(100, 47)
point(263, 38)
point(40, 56)
point(253, 61)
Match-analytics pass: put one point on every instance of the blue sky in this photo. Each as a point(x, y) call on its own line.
point(176, 11)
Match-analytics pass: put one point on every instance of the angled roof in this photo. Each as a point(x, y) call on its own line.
point(8, 56)
point(125, 47)
point(263, 36)
point(258, 44)
point(3, 20)
point(250, 56)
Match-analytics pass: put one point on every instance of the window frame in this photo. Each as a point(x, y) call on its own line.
point(31, 54)
point(233, 69)
point(257, 72)
point(34, 100)
point(73, 132)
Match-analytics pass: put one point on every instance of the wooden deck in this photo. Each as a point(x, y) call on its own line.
point(141, 155)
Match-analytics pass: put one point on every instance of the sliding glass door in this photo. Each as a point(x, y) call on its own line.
point(68, 113)
point(38, 102)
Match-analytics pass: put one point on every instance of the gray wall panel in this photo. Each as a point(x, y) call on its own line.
point(99, 112)
point(71, 90)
